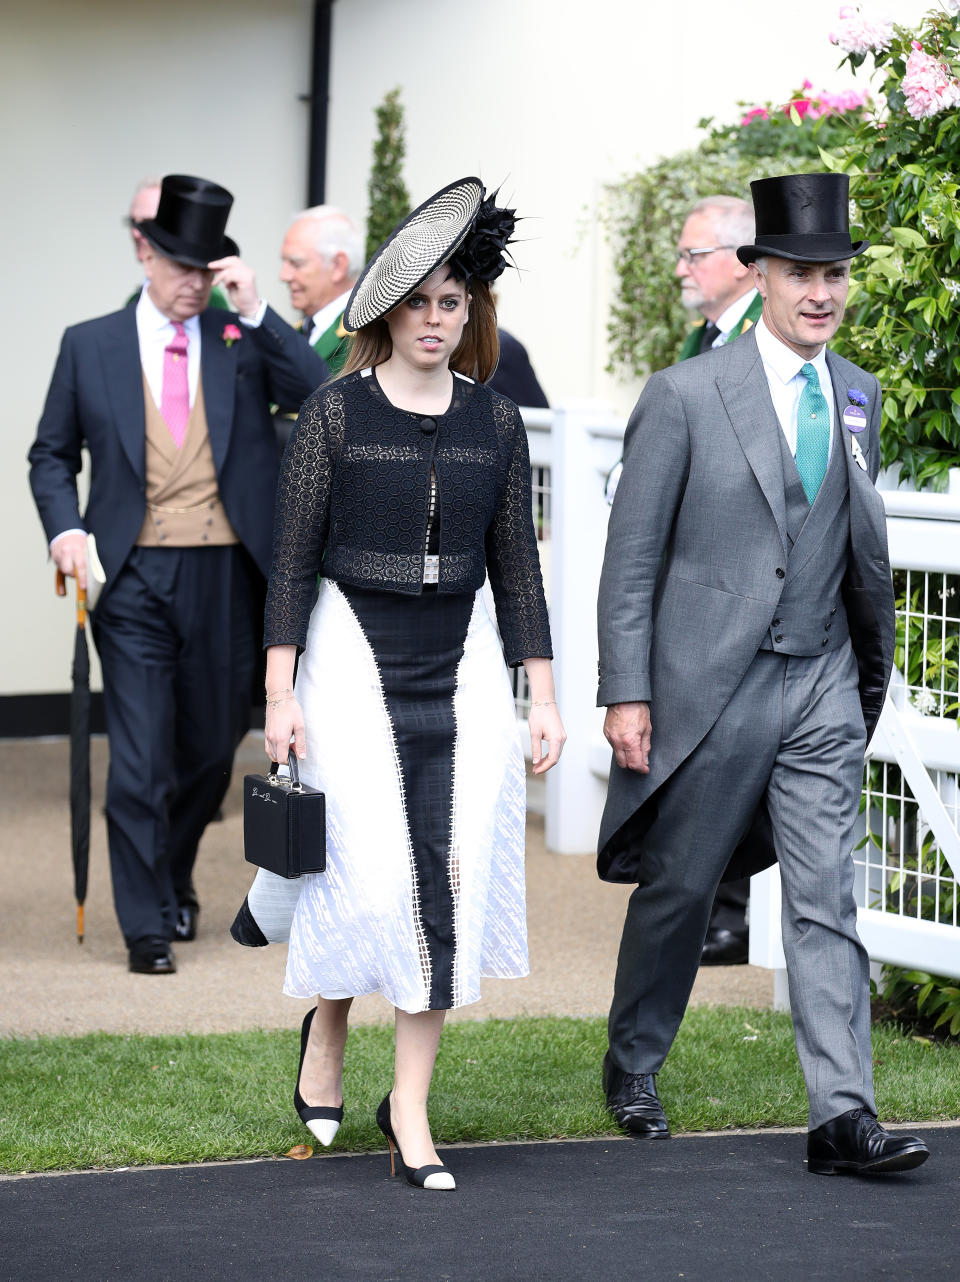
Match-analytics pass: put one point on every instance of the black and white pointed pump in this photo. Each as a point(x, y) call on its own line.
point(322, 1123)
point(424, 1177)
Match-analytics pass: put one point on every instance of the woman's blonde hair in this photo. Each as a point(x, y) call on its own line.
point(477, 352)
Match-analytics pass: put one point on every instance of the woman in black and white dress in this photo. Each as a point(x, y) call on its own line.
point(405, 483)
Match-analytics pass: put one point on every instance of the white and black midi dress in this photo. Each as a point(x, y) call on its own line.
point(410, 721)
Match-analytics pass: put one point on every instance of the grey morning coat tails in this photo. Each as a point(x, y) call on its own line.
point(695, 569)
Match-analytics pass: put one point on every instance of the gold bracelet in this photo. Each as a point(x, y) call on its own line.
point(275, 703)
point(272, 694)
point(543, 703)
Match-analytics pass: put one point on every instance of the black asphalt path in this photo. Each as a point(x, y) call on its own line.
point(705, 1209)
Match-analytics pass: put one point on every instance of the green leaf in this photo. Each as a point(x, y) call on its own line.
point(908, 236)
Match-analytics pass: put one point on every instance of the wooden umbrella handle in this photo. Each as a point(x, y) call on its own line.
point(61, 584)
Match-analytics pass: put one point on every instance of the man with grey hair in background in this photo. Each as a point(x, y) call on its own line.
point(714, 284)
point(322, 257)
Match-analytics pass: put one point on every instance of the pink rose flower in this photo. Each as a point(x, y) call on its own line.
point(856, 33)
point(231, 334)
point(845, 100)
point(928, 85)
point(802, 105)
point(755, 113)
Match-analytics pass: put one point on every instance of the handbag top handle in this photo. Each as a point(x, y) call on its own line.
point(293, 767)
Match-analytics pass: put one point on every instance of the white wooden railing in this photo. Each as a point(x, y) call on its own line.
point(908, 852)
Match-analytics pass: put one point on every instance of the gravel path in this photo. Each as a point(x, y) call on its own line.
point(53, 985)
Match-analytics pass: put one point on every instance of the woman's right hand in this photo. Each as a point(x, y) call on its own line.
point(282, 724)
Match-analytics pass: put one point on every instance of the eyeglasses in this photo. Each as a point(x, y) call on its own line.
point(690, 256)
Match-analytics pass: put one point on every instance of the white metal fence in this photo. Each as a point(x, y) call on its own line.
point(908, 852)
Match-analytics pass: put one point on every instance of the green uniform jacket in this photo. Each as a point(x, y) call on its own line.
point(691, 344)
point(332, 345)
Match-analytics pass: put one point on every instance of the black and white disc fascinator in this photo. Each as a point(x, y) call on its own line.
point(458, 224)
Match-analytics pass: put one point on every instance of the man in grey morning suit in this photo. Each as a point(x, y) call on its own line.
point(746, 642)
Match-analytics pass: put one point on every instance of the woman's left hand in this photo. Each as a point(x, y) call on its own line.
point(545, 725)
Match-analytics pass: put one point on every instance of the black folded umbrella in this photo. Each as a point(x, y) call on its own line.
point(79, 755)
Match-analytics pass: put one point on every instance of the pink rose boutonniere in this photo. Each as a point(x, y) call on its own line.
point(231, 334)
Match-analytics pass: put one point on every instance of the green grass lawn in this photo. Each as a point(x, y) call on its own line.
point(106, 1100)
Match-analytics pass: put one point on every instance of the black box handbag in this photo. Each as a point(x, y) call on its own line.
point(284, 823)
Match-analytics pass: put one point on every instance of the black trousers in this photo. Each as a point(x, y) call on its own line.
point(730, 906)
point(178, 635)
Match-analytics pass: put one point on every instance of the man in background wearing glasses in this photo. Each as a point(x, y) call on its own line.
point(713, 281)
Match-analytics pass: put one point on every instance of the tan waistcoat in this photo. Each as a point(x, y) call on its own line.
point(183, 502)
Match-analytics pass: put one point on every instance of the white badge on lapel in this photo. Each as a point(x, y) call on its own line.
point(858, 458)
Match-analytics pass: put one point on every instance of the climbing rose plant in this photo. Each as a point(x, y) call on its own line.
point(903, 158)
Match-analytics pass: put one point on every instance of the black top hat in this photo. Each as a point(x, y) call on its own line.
point(804, 217)
point(190, 221)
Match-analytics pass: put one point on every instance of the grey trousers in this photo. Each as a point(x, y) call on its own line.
point(792, 734)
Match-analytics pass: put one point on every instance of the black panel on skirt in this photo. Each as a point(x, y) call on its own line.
point(418, 644)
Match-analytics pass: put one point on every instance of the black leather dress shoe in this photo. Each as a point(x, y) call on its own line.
point(152, 955)
point(632, 1099)
point(855, 1143)
point(725, 948)
point(186, 927)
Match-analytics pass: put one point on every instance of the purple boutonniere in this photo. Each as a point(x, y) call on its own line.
point(231, 334)
point(854, 418)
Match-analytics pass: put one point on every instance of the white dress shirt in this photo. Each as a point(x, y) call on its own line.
point(728, 318)
point(782, 366)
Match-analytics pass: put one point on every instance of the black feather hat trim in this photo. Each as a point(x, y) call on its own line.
point(481, 255)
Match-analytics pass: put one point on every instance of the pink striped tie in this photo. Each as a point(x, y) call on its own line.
point(175, 394)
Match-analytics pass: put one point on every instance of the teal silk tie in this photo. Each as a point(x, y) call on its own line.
point(813, 434)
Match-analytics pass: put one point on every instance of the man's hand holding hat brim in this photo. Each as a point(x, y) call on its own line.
point(238, 280)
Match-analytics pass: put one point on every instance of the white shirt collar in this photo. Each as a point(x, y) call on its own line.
point(151, 320)
point(327, 314)
point(783, 361)
point(728, 318)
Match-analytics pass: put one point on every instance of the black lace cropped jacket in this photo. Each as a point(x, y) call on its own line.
point(353, 497)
